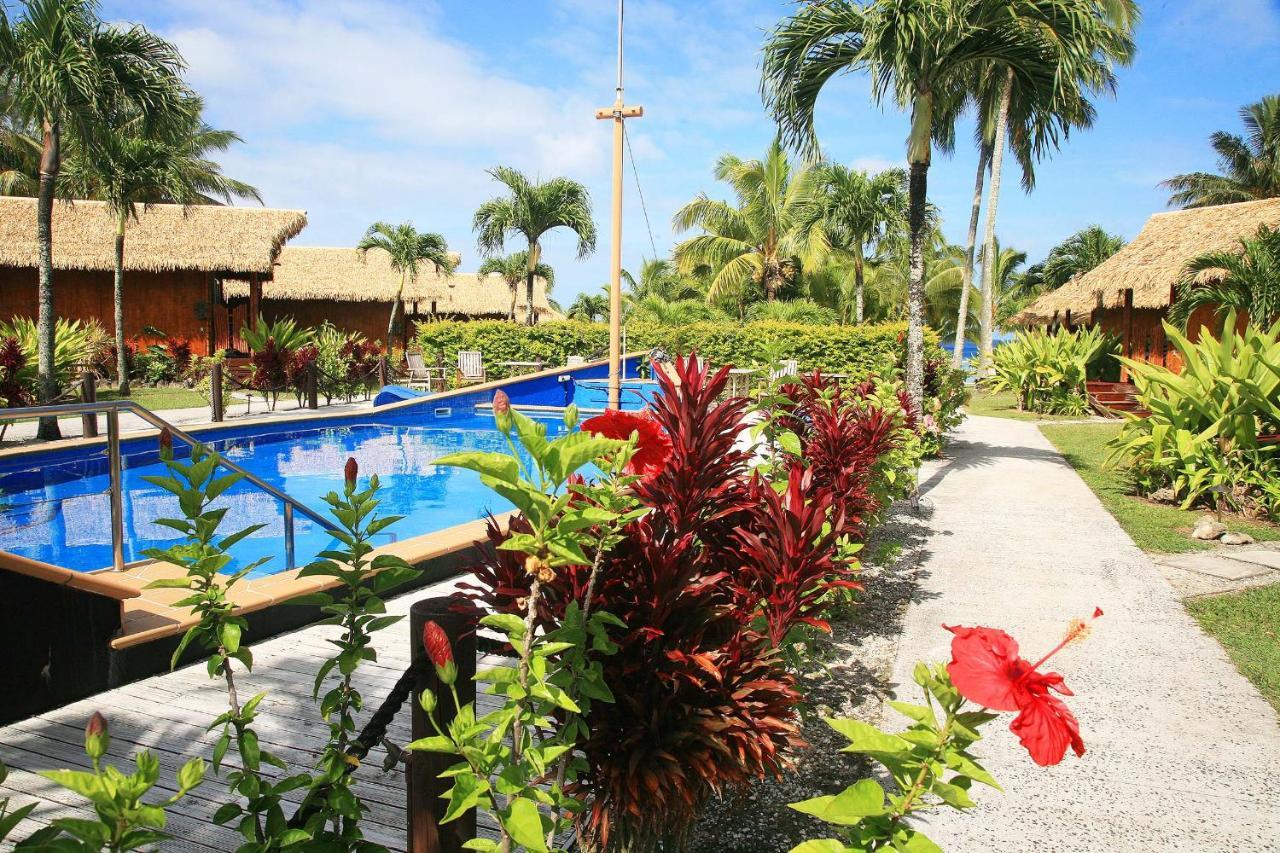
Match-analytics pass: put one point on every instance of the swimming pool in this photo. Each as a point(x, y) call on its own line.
point(55, 505)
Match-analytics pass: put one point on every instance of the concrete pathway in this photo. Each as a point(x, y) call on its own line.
point(1183, 752)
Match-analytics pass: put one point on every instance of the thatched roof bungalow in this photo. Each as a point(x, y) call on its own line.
point(1129, 294)
point(175, 263)
point(313, 284)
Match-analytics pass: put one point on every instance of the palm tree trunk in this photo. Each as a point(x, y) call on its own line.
point(515, 293)
point(395, 310)
point(122, 362)
point(989, 238)
point(859, 285)
point(535, 255)
point(962, 316)
point(50, 160)
point(917, 190)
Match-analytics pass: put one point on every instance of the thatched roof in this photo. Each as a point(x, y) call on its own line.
point(344, 275)
point(206, 238)
point(1153, 263)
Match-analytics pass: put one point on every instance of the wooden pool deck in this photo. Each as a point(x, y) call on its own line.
point(168, 713)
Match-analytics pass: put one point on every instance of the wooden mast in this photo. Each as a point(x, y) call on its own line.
point(619, 112)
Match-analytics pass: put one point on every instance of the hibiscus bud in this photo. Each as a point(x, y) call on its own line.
point(96, 738)
point(349, 472)
point(436, 642)
point(1097, 611)
point(502, 411)
point(539, 568)
point(166, 444)
point(570, 416)
point(428, 701)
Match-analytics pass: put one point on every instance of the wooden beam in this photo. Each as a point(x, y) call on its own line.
point(1127, 347)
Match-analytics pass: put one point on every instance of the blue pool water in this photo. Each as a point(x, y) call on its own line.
point(55, 506)
point(594, 393)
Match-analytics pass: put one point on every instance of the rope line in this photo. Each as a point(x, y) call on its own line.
point(640, 192)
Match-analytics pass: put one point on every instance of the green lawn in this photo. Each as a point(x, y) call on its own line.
point(1004, 404)
point(1247, 623)
point(159, 398)
point(1155, 527)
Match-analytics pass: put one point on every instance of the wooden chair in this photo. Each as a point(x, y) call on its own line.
point(575, 361)
point(790, 367)
point(470, 367)
point(418, 374)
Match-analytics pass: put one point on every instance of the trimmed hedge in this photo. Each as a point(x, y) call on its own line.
point(855, 350)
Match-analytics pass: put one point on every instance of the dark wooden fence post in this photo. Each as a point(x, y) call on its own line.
point(215, 392)
point(425, 807)
point(313, 383)
point(384, 373)
point(89, 394)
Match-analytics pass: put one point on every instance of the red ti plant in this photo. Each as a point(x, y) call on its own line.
point(15, 385)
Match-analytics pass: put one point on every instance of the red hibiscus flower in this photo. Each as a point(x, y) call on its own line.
point(439, 649)
point(350, 471)
point(986, 668)
point(652, 448)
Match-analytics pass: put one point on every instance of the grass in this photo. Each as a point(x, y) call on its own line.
point(1004, 404)
point(158, 398)
point(1153, 526)
point(1247, 624)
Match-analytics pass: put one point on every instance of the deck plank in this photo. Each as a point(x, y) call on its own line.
point(169, 713)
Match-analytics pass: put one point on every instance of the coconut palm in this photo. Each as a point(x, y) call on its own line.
point(1247, 281)
point(660, 277)
point(854, 212)
point(531, 210)
point(589, 308)
point(409, 248)
point(64, 70)
point(681, 312)
point(754, 240)
point(1081, 41)
point(1079, 253)
point(513, 269)
point(1250, 164)
point(19, 158)
point(127, 171)
point(920, 54)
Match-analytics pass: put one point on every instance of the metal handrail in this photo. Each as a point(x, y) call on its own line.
point(112, 409)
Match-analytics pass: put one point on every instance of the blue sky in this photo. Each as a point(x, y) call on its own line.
point(359, 110)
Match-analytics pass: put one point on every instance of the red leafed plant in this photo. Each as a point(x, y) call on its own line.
point(703, 702)
point(15, 388)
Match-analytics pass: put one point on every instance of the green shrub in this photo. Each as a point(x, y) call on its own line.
point(1201, 437)
point(855, 350)
point(74, 345)
point(1048, 370)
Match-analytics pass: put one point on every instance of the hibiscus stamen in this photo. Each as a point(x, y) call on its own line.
point(1077, 630)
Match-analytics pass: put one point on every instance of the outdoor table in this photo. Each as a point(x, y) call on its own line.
point(518, 367)
point(740, 377)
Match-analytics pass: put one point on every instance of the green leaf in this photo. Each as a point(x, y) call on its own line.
point(919, 713)
point(434, 743)
point(524, 824)
point(507, 623)
point(821, 845)
point(499, 466)
point(466, 793)
point(952, 795)
point(849, 807)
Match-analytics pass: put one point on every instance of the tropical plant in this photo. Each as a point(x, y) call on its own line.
point(1249, 164)
point(1246, 282)
point(1080, 43)
point(754, 240)
point(1201, 436)
point(126, 170)
point(853, 213)
point(792, 311)
point(407, 249)
point(531, 210)
point(513, 269)
point(661, 278)
point(72, 347)
point(918, 54)
point(592, 308)
point(1076, 255)
point(19, 156)
point(681, 312)
point(65, 70)
point(1047, 370)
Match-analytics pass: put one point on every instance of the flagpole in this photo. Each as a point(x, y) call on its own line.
point(619, 112)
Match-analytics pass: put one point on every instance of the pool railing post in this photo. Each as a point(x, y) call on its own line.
point(290, 555)
point(424, 786)
point(117, 489)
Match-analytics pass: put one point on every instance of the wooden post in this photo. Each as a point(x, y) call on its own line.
point(215, 392)
point(424, 785)
point(1127, 347)
point(619, 112)
point(384, 378)
point(313, 382)
point(255, 300)
point(89, 394)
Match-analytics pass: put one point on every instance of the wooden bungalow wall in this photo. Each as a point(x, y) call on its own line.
point(366, 318)
point(1147, 341)
point(177, 303)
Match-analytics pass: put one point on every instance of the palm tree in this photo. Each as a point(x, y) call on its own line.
point(408, 249)
point(513, 268)
point(853, 213)
point(126, 171)
point(589, 308)
point(1250, 164)
point(753, 240)
point(1080, 41)
point(531, 210)
point(660, 278)
point(663, 312)
point(63, 70)
point(919, 53)
point(1245, 281)
point(1079, 253)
